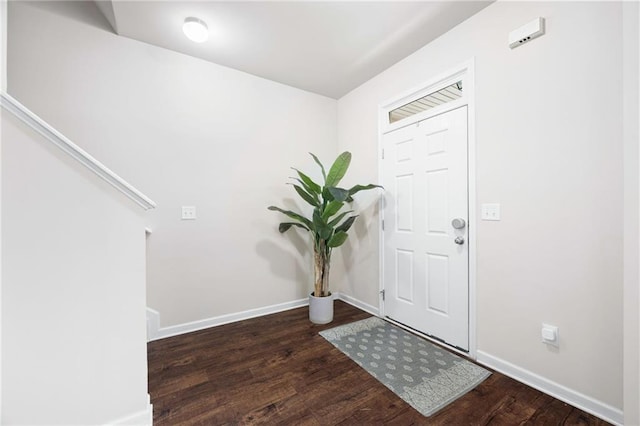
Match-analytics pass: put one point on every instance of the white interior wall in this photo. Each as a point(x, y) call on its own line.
point(188, 133)
point(3, 88)
point(631, 95)
point(549, 150)
point(73, 290)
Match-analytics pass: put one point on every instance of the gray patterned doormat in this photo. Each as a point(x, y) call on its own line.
point(424, 375)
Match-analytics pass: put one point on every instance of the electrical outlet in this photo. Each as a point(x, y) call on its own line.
point(188, 212)
point(491, 212)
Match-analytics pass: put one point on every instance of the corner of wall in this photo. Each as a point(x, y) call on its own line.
point(153, 324)
point(154, 332)
point(139, 418)
point(358, 304)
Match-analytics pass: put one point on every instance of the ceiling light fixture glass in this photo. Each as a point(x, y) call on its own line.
point(195, 29)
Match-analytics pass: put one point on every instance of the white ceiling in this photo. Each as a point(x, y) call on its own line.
point(324, 47)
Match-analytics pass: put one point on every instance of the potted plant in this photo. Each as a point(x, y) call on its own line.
point(328, 226)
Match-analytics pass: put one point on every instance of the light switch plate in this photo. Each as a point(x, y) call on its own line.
point(491, 211)
point(188, 212)
point(550, 335)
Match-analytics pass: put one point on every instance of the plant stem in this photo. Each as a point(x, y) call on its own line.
point(322, 263)
point(318, 271)
point(325, 273)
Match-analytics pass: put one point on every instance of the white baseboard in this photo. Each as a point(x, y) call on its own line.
point(577, 399)
point(154, 332)
point(153, 323)
point(175, 330)
point(140, 418)
point(556, 390)
point(358, 304)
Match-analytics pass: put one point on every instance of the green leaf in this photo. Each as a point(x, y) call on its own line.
point(338, 169)
point(338, 194)
point(292, 215)
point(338, 218)
point(305, 196)
point(324, 174)
point(354, 190)
point(306, 188)
point(338, 239)
point(326, 194)
point(321, 228)
point(344, 226)
point(284, 226)
point(331, 209)
point(309, 182)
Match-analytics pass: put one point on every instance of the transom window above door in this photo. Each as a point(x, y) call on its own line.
point(432, 100)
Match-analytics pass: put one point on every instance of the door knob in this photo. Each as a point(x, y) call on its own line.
point(459, 240)
point(458, 223)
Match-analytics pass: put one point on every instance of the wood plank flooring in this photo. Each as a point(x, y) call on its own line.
point(277, 370)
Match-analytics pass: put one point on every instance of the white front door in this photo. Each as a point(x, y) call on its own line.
point(426, 255)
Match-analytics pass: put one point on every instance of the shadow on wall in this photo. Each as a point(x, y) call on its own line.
point(360, 240)
point(281, 260)
point(359, 246)
point(81, 11)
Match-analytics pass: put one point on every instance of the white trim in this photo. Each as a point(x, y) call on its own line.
point(441, 81)
point(3, 45)
point(577, 399)
point(424, 115)
point(556, 390)
point(189, 327)
point(58, 139)
point(470, 79)
point(143, 417)
point(155, 332)
point(3, 88)
point(153, 323)
point(358, 304)
point(466, 72)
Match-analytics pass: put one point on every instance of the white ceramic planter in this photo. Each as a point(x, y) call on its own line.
point(320, 309)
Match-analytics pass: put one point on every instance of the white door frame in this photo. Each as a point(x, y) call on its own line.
point(464, 71)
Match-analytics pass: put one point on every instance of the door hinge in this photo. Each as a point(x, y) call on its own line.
point(383, 224)
point(383, 154)
point(382, 293)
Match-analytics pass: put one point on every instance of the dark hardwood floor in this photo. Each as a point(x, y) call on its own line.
point(277, 370)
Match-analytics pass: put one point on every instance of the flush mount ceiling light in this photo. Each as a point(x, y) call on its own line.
point(195, 29)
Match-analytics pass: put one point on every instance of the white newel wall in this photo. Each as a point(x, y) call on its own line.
point(73, 290)
point(631, 82)
point(3, 88)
